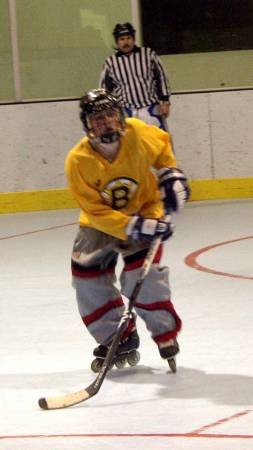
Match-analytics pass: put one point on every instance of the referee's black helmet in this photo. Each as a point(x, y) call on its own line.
point(123, 29)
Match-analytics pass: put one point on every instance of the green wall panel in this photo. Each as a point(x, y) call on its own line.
point(6, 79)
point(213, 70)
point(63, 44)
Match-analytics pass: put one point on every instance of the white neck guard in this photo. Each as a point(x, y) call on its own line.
point(108, 151)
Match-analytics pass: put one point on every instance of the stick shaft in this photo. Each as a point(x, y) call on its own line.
point(65, 401)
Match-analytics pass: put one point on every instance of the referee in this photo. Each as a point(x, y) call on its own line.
point(136, 77)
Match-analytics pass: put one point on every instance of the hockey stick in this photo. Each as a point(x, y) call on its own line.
point(67, 400)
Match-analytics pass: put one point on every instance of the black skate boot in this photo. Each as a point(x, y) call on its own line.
point(100, 353)
point(126, 353)
point(168, 350)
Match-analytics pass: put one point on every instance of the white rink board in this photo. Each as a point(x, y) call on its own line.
point(35, 139)
point(232, 137)
point(212, 132)
point(190, 131)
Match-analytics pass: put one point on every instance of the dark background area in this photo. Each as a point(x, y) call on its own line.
point(194, 26)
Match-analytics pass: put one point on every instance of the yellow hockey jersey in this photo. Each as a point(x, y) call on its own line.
point(108, 193)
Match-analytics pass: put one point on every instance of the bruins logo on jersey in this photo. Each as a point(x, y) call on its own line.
point(118, 192)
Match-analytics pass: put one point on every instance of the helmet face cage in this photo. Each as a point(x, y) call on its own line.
point(102, 117)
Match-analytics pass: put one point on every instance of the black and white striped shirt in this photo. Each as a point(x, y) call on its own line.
point(136, 79)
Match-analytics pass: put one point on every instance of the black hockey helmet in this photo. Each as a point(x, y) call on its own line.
point(123, 29)
point(101, 101)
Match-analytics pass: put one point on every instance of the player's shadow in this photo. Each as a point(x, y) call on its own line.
point(189, 383)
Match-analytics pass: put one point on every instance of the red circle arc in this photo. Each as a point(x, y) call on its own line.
point(191, 259)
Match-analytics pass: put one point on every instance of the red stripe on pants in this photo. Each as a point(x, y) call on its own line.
point(91, 273)
point(98, 313)
point(167, 306)
point(139, 262)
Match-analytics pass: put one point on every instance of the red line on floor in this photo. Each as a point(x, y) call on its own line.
point(222, 436)
point(118, 435)
point(37, 231)
point(191, 259)
point(221, 421)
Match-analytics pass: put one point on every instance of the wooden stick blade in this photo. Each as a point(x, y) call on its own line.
point(64, 401)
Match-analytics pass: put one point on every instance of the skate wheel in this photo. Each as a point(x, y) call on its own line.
point(96, 365)
point(120, 362)
point(133, 358)
point(173, 365)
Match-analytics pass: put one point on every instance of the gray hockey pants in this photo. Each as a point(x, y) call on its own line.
point(99, 300)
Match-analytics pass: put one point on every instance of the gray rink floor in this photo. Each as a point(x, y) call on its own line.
point(45, 349)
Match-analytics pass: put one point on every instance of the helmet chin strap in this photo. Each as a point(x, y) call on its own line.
point(110, 137)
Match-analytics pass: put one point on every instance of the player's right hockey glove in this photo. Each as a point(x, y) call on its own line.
point(141, 229)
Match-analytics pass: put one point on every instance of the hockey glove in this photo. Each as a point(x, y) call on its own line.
point(141, 229)
point(174, 188)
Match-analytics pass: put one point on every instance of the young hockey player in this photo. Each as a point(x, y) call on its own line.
point(123, 208)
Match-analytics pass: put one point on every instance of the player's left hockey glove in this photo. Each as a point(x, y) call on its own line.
point(174, 188)
point(141, 229)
